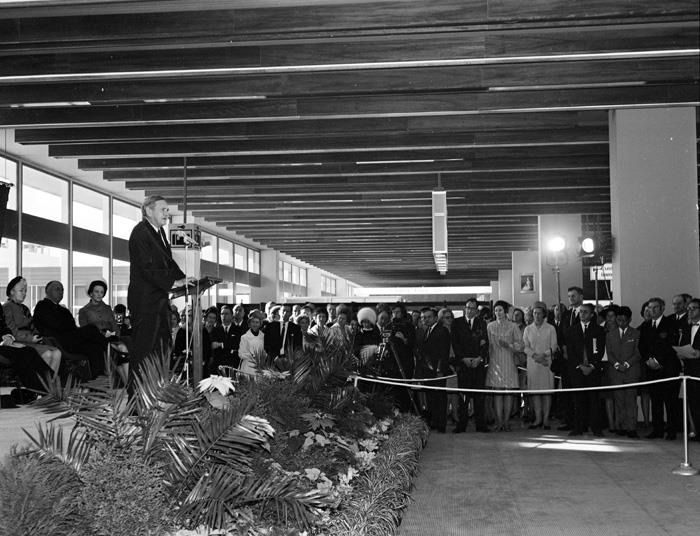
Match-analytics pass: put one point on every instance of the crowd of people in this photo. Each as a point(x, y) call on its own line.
point(533, 348)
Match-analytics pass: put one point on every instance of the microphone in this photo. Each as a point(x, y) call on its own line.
point(186, 238)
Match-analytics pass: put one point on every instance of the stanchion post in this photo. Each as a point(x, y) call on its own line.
point(685, 468)
point(355, 379)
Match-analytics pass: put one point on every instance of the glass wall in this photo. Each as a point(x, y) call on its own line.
point(292, 280)
point(75, 234)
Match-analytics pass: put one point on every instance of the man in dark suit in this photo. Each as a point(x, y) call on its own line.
point(470, 343)
point(691, 365)
point(282, 338)
point(656, 346)
point(153, 272)
point(622, 346)
point(54, 320)
point(569, 318)
point(434, 352)
point(226, 338)
point(584, 349)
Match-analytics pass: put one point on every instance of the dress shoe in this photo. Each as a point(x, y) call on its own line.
point(632, 435)
point(655, 435)
point(546, 427)
point(441, 430)
point(564, 428)
point(575, 433)
point(458, 431)
point(671, 437)
point(620, 432)
point(483, 430)
point(598, 433)
point(534, 426)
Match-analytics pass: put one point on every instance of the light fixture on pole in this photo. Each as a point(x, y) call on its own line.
point(556, 246)
point(440, 228)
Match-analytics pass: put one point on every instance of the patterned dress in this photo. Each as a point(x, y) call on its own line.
point(502, 372)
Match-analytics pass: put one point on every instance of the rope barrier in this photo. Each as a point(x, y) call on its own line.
point(356, 378)
point(410, 380)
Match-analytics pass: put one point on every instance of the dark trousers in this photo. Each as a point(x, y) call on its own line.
point(86, 341)
point(586, 403)
point(437, 406)
point(28, 365)
point(692, 368)
point(665, 395)
point(150, 337)
point(565, 401)
point(471, 379)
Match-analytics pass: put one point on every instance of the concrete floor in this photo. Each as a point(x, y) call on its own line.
point(12, 421)
point(543, 483)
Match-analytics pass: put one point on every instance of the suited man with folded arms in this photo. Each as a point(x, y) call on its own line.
point(622, 346)
point(282, 338)
point(658, 356)
point(584, 349)
point(153, 272)
point(470, 342)
point(434, 353)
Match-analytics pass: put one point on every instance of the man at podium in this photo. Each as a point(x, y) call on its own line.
point(153, 273)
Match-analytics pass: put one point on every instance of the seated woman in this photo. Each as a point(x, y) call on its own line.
point(19, 321)
point(252, 348)
point(23, 360)
point(97, 313)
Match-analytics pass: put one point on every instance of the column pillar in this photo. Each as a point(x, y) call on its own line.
point(654, 204)
point(505, 285)
point(568, 227)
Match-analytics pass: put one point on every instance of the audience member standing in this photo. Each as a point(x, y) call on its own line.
point(434, 351)
point(504, 342)
point(585, 345)
point(470, 342)
point(656, 346)
point(691, 365)
point(540, 343)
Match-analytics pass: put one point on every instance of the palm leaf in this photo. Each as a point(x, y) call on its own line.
point(49, 444)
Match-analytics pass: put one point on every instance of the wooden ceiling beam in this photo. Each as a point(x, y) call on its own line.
point(69, 25)
point(370, 157)
point(408, 105)
point(578, 74)
point(314, 128)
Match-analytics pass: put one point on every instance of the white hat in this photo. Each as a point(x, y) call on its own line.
point(367, 313)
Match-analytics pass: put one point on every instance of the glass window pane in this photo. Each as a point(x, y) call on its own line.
point(87, 268)
point(209, 247)
point(295, 275)
point(225, 252)
point(120, 281)
point(8, 173)
point(90, 210)
point(225, 291)
point(256, 262)
point(302, 277)
point(287, 272)
point(8, 263)
point(41, 264)
point(44, 195)
point(124, 218)
point(280, 271)
point(242, 293)
point(251, 261)
point(241, 257)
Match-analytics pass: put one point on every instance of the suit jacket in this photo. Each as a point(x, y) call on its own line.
point(576, 342)
point(53, 320)
point(621, 350)
point(273, 339)
point(231, 340)
point(435, 351)
point(152, 272)
point(658, 343)
point(469, 342)
point(691, 367)
point(566, 324)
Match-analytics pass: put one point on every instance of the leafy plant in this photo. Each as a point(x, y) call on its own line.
point(39, 497)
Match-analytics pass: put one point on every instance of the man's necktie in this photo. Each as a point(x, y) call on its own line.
point(162, 237)
point(585, 349)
